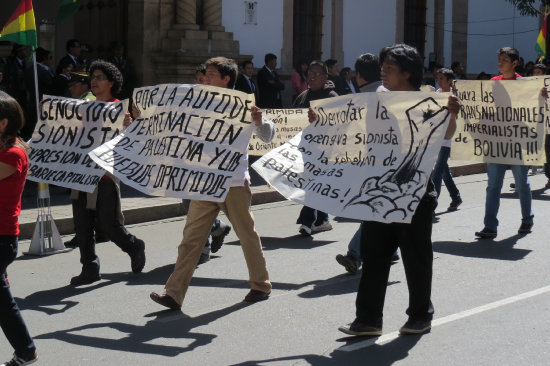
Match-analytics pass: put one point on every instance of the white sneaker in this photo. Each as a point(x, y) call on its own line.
point(305, 230)
point(325, 226)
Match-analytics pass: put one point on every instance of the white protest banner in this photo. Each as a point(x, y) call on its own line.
point(187, 143)
point(500, 122)
point(67, 130)
point(288, 122)
point(368, 156)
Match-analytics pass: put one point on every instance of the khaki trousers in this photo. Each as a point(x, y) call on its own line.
point(200, 218)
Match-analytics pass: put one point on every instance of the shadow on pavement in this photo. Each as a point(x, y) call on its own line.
point(140, 338)
point(375, 354)
point(484, 248)
point(297, 241)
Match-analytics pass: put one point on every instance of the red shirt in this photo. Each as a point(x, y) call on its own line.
point(500, 77)
point(11, 189)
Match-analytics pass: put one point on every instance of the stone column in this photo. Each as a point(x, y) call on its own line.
point(186, 14)
point(212, 15)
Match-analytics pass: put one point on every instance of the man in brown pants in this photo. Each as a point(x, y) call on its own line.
point(222, 72)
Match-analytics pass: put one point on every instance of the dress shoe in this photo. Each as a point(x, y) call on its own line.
point(85, 279)
point(165, 300)
point(138, 258)
point(256, 295)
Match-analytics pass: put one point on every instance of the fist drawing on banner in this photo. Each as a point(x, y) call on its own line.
point(396, 194)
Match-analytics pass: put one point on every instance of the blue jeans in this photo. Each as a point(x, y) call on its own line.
point(442, 172)
point(11, 320)
point(354, 247)
point(495, 173)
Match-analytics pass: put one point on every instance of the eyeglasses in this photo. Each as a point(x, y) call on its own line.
point(98, 77)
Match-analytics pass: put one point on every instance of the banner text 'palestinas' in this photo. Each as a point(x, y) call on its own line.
point(368, 156)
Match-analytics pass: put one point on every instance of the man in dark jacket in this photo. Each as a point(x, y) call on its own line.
point(269, 84)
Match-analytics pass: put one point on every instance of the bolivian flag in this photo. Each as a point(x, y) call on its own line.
point(541, 41)
point(21, 27)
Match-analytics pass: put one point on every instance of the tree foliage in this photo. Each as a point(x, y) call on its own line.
point(529, 7)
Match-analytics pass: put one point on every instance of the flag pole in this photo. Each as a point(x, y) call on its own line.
point(36, 96)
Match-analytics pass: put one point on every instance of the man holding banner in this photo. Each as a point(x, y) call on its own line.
point(222, 72)
point(402, 69)
point(508, 59)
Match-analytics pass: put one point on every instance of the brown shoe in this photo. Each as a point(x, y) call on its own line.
point(256, 295)
point(165, 300)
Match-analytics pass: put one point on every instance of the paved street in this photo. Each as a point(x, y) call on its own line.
point(492, 298)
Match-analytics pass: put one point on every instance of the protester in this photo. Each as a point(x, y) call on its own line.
point(60, 85)
point(269, 84)
point(348, 85)
point(222, 72)
point(310, 219)
point(402, 68)
point(104, 202)
point(13, 172)
point(367, 77)
point(508, 59)
point(441, 171)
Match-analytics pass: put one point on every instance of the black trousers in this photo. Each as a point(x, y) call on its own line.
point(378, 243)
point(106, 212)
point(547, 151)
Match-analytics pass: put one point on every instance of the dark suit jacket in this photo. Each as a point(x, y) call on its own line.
point(242, 85)
point(270, 93)
point(76, 67)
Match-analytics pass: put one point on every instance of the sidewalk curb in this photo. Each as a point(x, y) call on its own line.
point(65, 225)
point(260, 195)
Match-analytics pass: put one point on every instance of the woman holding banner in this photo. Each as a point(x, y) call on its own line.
point(104, 202)
point(13, 173)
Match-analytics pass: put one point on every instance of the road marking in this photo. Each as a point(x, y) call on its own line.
point(447, 319)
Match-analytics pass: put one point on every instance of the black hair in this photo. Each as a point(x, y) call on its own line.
point(246, 62)
point(448, 73)
point(111, 72)
point(408, 59)
point(63, 64)
point(71, 43)
point(344, 71)
point(331, 62)
point(368, 67)
point(540, 67)
point(11, 110)
point(226, 67)
point(510, 52)
point(41, 54)
point(268, 57)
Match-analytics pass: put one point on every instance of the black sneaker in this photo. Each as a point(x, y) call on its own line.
point(349, 264)
point(85, 279)
point(416, 327)
point(205, 257)
point(219, 236)
point(513, 185)
point(359, 329)
point(454, 204)
point(138, 258)
point(486, 233)
point(525, 228)
point(16, 360)
point(73, 243)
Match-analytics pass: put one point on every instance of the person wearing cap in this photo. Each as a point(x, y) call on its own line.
point(79, 86)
